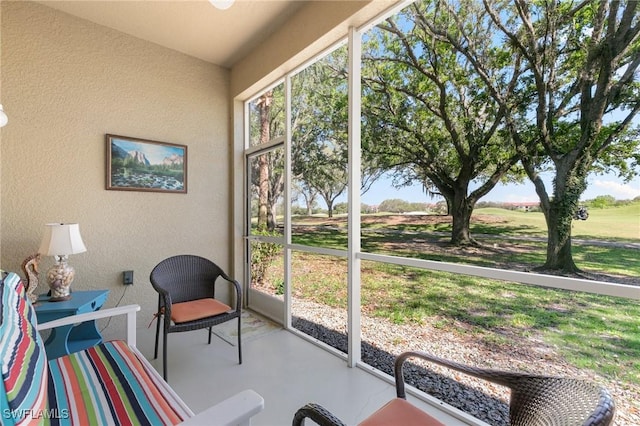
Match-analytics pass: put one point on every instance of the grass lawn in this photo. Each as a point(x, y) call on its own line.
point(612, 224)
point(594, 332)
point(599, 333)
point(509, 238)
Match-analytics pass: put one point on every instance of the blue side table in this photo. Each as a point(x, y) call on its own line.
point(71, 338)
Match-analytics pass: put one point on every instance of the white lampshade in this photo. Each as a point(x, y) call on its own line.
point(3, 117)
point(222, 4)
point(61, 239)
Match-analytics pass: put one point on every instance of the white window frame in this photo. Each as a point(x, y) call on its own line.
point(354, 252)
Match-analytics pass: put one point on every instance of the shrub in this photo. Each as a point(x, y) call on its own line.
point(262, 255)
point(602, 201)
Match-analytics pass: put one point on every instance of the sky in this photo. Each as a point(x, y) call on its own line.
point(155, 153)
point(598, 185)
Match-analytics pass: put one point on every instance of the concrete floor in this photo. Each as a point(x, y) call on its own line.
point(287, 370)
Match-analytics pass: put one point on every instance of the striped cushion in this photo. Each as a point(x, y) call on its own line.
point(23, 361)
point(110, 385)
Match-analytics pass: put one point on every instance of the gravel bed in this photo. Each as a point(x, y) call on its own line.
point(484, 400)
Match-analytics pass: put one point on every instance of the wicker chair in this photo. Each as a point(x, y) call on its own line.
point(535, 400)
point(186, 286)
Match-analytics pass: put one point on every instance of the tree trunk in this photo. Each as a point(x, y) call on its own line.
point(570, 183)
point(309, 198)
point(271, 216)
point(330, 208)
point(264, 105)
point(559, 257)
point(461, 210)
point(263, 192)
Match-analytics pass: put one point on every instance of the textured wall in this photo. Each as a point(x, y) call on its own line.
point(67, 82)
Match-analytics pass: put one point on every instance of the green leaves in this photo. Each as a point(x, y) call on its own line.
point(429, 114)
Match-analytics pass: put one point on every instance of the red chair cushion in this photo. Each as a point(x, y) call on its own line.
point(400, 412)
point(197, 309)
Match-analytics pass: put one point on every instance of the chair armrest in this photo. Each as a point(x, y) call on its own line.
point(236, 410)
point(128, 310)
point(504, 378)
point(318, 414)
point(237, 288)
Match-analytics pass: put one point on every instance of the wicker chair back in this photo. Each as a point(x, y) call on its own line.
point(535, 400)
point(187, 278)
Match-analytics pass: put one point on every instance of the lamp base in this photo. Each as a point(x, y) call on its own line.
point(59, 278)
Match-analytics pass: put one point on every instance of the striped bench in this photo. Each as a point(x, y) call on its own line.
point(108, 384)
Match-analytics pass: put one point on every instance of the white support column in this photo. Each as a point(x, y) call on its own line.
point(241, 203)
point(287, 202)
point(354, 329)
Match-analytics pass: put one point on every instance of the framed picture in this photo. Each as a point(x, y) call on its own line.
point(142, 165)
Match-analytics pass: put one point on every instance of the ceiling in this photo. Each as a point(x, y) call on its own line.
point(193, 27)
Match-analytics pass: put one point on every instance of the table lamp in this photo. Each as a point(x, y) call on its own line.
point(222, 4)
point(60, 240)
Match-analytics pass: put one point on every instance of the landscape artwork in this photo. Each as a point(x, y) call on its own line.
point(142, 165)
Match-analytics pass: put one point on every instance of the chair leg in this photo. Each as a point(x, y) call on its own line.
point(155, 353)
point(239, 342)
point(164, 356)
point(210, 335)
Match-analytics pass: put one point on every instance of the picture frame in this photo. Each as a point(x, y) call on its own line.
point(135, 164)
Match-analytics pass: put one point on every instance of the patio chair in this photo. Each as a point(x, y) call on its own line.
point(186, 286)
point(535, 400)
